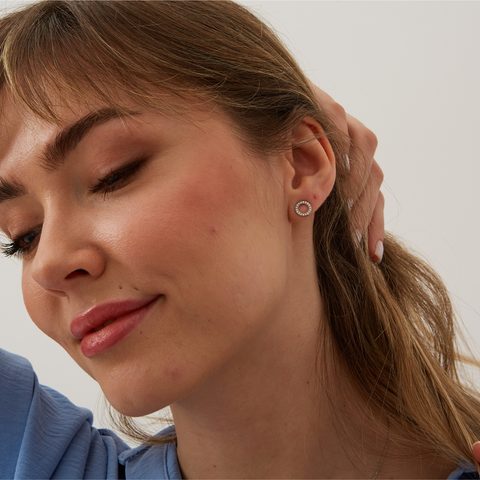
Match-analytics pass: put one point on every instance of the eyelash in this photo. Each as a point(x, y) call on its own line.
point(108, 184)
point(18, 247)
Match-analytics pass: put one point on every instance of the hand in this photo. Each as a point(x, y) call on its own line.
point(367, 176)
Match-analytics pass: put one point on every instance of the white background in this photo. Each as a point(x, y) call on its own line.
point(411, 72)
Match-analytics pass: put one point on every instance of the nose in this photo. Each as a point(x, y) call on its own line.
point(66, 254)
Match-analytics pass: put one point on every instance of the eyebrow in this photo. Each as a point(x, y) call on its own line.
point(9, 190)
point(64, 143)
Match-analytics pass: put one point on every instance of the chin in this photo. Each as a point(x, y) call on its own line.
point(135, 403)
point(133, 409)
point(136, 392)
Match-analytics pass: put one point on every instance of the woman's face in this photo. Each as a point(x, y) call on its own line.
point(164, 224)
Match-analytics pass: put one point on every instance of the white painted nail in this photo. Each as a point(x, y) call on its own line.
point(358, 236)
point(350, 203)
point(379, 251)
point(347, 161)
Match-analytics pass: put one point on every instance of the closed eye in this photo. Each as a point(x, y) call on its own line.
point(24, 243)
point(118, 178)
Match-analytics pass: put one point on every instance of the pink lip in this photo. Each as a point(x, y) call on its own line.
point(127, 314)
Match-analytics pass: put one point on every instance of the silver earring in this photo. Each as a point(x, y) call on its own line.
point(297, 209)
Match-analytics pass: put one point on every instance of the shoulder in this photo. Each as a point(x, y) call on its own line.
point(464, 471)
point(159, 461)
point(43, 435)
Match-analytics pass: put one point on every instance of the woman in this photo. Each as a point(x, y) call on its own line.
point(160, 168)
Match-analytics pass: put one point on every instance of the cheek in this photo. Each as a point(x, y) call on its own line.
point(36, 300)
point(211, 234)
point(188, 218)
point(47, 314)
point(44, 309)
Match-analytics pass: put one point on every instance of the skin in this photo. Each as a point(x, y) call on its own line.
point(231, 342)
point(367, 199)
point(476, 454)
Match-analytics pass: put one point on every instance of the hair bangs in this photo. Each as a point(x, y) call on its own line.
point(54, 57)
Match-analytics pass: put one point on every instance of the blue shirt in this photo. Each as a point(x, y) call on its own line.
point(43, 435)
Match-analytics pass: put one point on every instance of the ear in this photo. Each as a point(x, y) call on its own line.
point(310, 174)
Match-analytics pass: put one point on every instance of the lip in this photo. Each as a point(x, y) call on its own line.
point(128, 314)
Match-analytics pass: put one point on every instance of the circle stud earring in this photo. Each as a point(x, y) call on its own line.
point(297, 208)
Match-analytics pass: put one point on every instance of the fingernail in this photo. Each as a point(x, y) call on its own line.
point(347, 161)
point(358, 236)
point(379, 251)
point(350, 203)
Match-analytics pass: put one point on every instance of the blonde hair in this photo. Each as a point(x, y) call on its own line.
point(391, 325)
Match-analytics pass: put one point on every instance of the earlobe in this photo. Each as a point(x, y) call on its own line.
point(312, 172)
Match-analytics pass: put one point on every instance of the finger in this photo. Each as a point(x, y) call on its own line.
point(476, 454)
point(476, 451)
point(363, 206)
point(333, 109)
point(376, 231)
point(363, 137)
point(364, 165)
point(369, 211)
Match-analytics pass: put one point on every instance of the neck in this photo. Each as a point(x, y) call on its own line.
point(263, 415)
point(241, 427)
